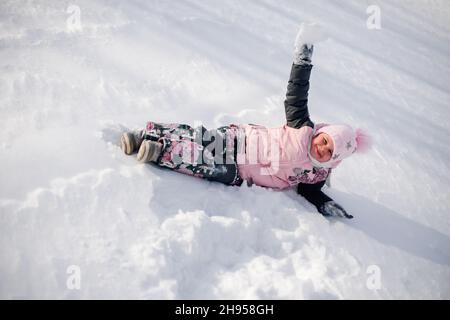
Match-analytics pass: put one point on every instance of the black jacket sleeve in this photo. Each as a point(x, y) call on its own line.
point(313, 194)
point(297, 116)
point(296, 103)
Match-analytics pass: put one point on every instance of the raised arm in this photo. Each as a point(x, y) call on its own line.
point(296, 103)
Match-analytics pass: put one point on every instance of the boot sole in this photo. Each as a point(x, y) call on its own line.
point(127, 143)
point(149, 151)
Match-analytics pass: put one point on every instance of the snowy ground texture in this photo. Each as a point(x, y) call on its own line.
point(69, 197)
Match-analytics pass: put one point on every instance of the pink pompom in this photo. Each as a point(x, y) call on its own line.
point(363, 141)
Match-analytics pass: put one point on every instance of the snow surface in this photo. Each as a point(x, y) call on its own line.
point(68, 196)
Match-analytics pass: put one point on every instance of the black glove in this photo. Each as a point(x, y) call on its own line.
point(332, 209)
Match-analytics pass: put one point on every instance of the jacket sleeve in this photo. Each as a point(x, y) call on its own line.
point(313, 193)
point(296, 103)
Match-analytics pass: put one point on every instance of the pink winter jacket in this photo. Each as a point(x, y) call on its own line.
point(278, 157)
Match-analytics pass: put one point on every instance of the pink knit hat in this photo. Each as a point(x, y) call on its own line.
point(346, 141)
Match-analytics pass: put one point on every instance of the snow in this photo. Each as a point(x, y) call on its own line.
point(69, 197)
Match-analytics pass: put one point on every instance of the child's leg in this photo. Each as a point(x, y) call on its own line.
point(155, 130)
point(131, 141)
point(197, 151)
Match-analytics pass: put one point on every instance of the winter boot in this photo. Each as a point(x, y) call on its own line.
point(149, 151)
point(131, 141)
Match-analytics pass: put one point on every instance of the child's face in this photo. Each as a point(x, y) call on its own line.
point(322, 147)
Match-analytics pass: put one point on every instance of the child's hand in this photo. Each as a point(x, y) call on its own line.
point(331, 208)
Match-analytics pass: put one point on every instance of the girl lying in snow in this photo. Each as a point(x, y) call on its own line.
point(296, 154)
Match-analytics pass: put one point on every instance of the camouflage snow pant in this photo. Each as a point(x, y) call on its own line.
point(208, 154)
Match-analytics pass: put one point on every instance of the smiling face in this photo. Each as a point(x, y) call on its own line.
point(322, 147)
